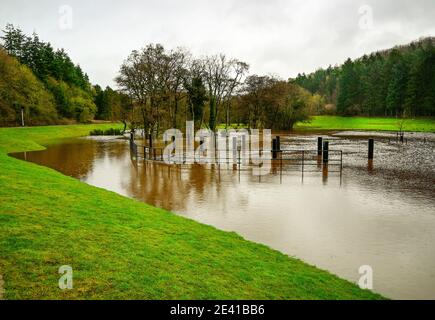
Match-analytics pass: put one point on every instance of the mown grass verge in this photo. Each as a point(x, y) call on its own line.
point(120, 248)
point(361, 123)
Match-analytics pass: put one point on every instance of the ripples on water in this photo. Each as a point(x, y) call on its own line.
point(382, 214)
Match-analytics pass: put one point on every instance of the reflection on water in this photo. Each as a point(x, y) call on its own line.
point(381, 214)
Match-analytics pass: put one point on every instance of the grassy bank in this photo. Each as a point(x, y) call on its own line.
point(124, 249)
point(361, 123)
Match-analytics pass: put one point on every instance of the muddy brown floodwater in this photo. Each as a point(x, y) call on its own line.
point(381, 215)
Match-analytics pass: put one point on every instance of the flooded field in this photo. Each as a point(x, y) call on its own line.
point(380, 214)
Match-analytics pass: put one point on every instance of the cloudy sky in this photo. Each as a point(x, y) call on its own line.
point(280, 37)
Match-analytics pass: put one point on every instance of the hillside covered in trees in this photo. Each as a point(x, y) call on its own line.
point(399, 82)
point(161, 88)
point(46, 84)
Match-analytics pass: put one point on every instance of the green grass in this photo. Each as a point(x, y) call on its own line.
point(120, 248)
point(361, 123)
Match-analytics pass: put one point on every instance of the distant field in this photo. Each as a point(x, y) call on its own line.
point(362, 123)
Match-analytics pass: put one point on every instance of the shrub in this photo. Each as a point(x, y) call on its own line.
point(108, 132)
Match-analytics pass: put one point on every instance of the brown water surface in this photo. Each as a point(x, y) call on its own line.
point(380, 214)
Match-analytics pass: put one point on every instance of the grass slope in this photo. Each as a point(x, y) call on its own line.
point(124, 249)
point(361, 123)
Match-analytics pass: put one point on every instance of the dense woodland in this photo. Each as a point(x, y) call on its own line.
point(47, 85)
point(160, 88)
point(399, 82)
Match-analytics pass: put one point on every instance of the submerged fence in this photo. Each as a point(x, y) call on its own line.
point(303, 161)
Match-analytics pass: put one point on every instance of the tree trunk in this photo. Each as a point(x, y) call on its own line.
point(212, 120)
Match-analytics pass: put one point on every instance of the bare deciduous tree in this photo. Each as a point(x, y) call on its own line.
point(152, 78)
point(222, 77)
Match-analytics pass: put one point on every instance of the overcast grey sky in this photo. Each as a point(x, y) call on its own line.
point(281, 37)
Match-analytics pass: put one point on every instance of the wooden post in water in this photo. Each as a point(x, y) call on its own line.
point(274, 149)
point(134, 148)
point(239, 149)
point(278, 143)
point(319, 146)
point(150, 142)
point(234, 152)
point(341, 166)
point(371, 148)
point(370, 165)
point(326, 152)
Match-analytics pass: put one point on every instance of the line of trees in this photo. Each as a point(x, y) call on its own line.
point(268, 102)
point(20, 88)
point(67, 83)
point(158, 89)
point(167, 88)
point(48, 86)
point(170, 87)
point(398, 82)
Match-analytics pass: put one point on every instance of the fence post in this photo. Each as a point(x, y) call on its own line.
point(274, 148)
point(326, 152)
point(341, 165)
point(134, 148)
point(150, 140)
point(234, 152)
point(319, 146)
point(371, 148)
point(239, 149)
point(278, 143)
